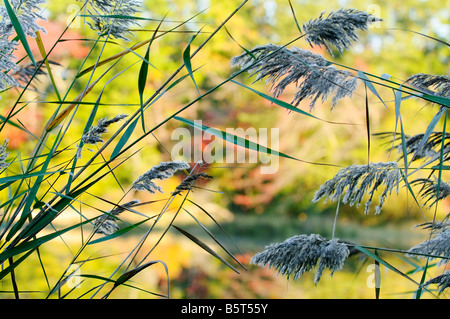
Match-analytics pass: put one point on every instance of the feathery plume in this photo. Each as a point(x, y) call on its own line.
point(27, 12)
point(3, 155)
point(431, 83)
point(337, 29)
point(93, 136)
point(113, 17)
point(438, 245)
point(106, 223)
point(433, 191)
point(443, 281)
point(301, 253)
point(161, 171)
point(186, 184)
point(430, 148)
point(24, 73)
point(314, 76)
point(351, 183)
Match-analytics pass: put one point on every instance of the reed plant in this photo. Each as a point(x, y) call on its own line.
point(41, 186)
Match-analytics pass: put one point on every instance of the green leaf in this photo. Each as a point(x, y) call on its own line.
point(131, 273)
point(384, 263)
point(7, 253)
point(143, 72)
point(295, 17)
point(117, 233)
point(21, 35)
point(277, 101)
point(187, 61)
point(17, 177)
point(124, 139)
point(430, 129)
point(371, 87)
point(367, 126)
point(234, 139)
point(204, 246)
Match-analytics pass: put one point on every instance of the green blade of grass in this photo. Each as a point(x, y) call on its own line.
point(187, 62)
point(234, 139)
point(371, 87)
point(215, 239)
point(277, 101)
point(117, 233)
point(19, 31)
point(295, 17)
point(143, 72)
point(430, 128)
point(21, 248)
point(26, 211)
point(367, 126)
point(418, 293)
point(384, 263)
point(41, 47)
point(205, 247)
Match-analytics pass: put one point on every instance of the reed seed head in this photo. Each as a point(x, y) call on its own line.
point(301, 253)
point(337, 29)
point(93, 136)
point(443, 281)
point(186, 184)
point(106, 223)
point(27, 12)
point(161, 171)
point(314, 77)
point(351, 183)
point(437, 245)
point(434, 84)
point(114, 17)
point(4, 155)
point(433, 191)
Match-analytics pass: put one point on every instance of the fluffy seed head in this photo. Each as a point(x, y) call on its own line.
point(443, 281)
point(337, 29)
point(351, 183)
point(438, 245)
point(314, 76)
point(106, 223)
point(434, 84)
point(302, 253)
point(113, 17)
point(4, 155)
point(161, 171)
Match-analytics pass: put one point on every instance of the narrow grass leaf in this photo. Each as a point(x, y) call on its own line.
point(8, 253)
point(131, 273)
point(367, 126)
point(12, 266)
point(117, 233)
point(277, 101)
point(430, 129)
point(215, 239)
point(187, 62)
point(233, 138)
point(418, 293)
point(41, 47)
point(295, 17)
point(217, 223)
point(204, 246)
point(371, 87)
point(19, 31)
point(123, 139)
point(383, 262)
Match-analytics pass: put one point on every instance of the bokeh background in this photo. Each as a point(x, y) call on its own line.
point(252, 208)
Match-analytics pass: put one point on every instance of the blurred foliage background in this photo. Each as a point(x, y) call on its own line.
point(254, 209)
